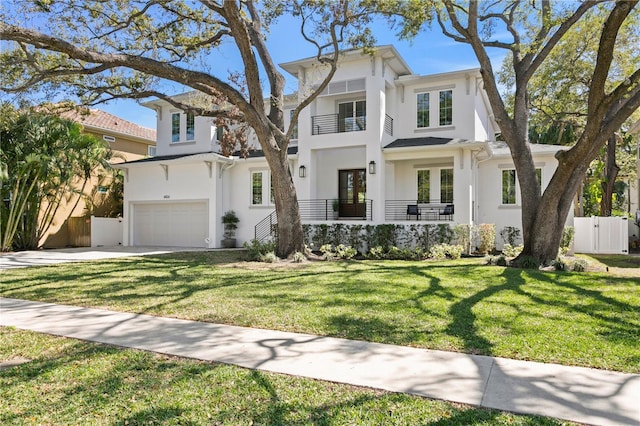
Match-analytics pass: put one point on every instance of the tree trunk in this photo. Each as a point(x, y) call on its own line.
point(609, 179)
point(290, 236)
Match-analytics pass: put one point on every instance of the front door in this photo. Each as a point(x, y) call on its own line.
point(352, 192)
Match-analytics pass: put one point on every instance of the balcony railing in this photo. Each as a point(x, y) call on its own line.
point(323, 209)
point(414, 210)
point(388, 125)
point(334, 123)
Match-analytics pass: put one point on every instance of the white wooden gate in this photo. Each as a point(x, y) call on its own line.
point(106, 231)
point(601, 235)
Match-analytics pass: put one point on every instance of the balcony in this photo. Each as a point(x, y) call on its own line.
point(323, 209)
point(413, 210)
point(335, 123)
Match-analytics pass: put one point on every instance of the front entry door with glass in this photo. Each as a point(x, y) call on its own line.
point(352, 192)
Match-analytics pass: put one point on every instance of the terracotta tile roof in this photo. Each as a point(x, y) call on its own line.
point(109, 122)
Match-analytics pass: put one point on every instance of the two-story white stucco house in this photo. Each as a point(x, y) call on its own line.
point(389, 145)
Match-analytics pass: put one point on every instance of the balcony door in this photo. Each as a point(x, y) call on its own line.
point(352, 192)
point(352, 116)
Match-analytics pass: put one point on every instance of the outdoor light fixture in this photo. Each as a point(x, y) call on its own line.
point(302, 171)
point(372, 167)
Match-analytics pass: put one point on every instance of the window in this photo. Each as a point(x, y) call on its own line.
point(446, 185)
point(446, 107)
point(191, 128)
point(175, 127)
point(261, 183)
point(219, 133)
point(508, 187)
point(256, 188)
point(424, 186)
point(422, 110)
point(294, 134)
point(102, 189)
point(151, 151)
point(352, 116)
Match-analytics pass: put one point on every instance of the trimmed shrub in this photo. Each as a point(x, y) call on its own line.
point(445, 251)
point(567, 239)
point(486, 237)
point(462, 236)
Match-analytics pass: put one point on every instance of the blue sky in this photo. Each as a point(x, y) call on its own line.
point(429, 53)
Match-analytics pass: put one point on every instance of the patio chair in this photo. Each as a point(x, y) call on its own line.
point(447, 212)
point(413, 210)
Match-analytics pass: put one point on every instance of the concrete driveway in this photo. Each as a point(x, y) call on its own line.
point(23, 259)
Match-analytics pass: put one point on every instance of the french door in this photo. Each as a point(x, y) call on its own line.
point(352, 190)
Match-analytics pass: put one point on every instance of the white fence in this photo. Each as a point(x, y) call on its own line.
point(601, 235)
point(106, 231)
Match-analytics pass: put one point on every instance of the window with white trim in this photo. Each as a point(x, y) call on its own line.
point(422, 108)
point(446, 107)
point(446, 186)
point(191, 127)
point(175, 127)
point(510, 187)
point(424, 186)
point(261, 188)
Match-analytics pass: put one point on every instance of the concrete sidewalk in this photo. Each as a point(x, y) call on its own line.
point(572, 393)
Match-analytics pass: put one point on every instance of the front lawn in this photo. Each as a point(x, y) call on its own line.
point(73, 382)
point(584, 319)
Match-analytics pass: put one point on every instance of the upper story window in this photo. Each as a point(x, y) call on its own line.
point(509, 186)
point(151, 151)
point(191, 127)
point(446, 107)
point(422, 110)
point(179, 122)
point(434, 107)
point(294, 134)
point(175, 127)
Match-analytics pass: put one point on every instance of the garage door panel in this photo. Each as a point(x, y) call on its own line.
point(170, 224)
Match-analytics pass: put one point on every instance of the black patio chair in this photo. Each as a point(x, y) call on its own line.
point(447, 212)
point(413, 210)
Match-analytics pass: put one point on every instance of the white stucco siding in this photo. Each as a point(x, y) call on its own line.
point(203, 134)
point(188, 182)
point(489, 194)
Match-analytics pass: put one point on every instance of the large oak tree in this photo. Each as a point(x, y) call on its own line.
point(529, 31)
point(133, 49)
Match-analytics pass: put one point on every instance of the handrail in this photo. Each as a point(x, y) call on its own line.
point(432, 211)
point(335, 123)
point(267, 227)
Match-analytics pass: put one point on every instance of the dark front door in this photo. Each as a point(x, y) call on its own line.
point(352, 192)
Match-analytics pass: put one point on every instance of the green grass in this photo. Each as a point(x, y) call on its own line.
point(584, 319)
point(73, 382)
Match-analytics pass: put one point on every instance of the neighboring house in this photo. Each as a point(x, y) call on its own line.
point(391, 146)
point(128, 142)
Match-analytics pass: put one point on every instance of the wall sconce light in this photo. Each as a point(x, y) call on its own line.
point(302, 171)
point(372, 167)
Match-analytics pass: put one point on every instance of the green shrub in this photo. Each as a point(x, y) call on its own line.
point(462, 236)
point(487, 238)
point(445, 251)
point(376, 253)
point(528, 262)
point(567, 239)
point(510, 251)
point(345, 252)
point(559, 264)
point(510, 235)
point(501, 261)
point(269, 257)
point(256, 249)
point(579, 265)
point(298, 257)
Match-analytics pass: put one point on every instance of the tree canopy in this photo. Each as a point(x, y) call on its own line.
point(133, 49)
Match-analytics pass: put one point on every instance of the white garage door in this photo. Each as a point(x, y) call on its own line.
point(170, 224)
